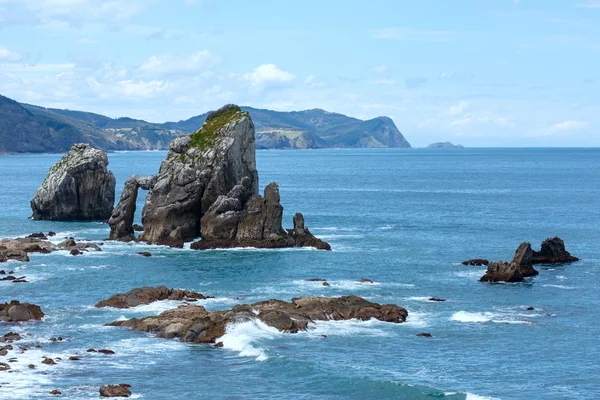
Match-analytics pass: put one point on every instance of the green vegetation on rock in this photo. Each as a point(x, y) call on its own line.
point(207, 137)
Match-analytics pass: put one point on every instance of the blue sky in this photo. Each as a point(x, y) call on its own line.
point(480, 73)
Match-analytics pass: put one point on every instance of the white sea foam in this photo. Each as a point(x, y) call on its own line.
point(242, 337)
point(417, 319)
point(351, 327)
point(419, 298)
point(386, 227)
point(471, 317)
point(561, 277)
point(559, 286)
point(471, 396)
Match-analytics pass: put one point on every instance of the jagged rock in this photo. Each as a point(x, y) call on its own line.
point(524, 259)
point(191, 323)
point(78, 187)
point(76, 248)
point(16, 312)
point(121, 219)
point(244, 220)
point(476, 262)
point(502, 272)
point(38, 235)
point(147, 295)
point(75, 252)
point(198, 169)
point(10, 337)
point(49, 361)
point(138, 228)
point(121, 390)
point(11, 254)
point(553, 252)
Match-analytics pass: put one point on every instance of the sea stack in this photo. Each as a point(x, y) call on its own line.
point(121, 219)
point(198, 169)
point(208, 187)
point(78, 188)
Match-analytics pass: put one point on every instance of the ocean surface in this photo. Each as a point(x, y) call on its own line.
point(403, 218)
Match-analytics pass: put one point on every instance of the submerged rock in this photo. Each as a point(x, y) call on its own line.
point(120, 390)
point(16, 311)
point(147, 295)
point(241, 219)
point(198, 169)
point(78, 188)
point(121, 219)
point(476, 262)
point(191, 323)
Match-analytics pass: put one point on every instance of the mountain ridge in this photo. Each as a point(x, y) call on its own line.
point(27, 128)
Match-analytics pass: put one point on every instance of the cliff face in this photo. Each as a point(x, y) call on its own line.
point(198, 169)
point(78, 187)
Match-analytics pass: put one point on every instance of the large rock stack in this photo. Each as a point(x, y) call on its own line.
point(78, 188)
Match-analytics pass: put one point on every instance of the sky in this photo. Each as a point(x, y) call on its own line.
point(475, 72)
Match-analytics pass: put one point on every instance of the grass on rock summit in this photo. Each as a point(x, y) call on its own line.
point(207, 136)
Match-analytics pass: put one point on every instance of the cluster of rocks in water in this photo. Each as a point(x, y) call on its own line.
point(207, 187)
point(552, 252)
point(147, 295)
point(193, 323)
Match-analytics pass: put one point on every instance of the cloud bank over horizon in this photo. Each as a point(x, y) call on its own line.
point(507, 73)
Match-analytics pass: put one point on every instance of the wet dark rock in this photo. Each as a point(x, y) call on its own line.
point(2, 272)
point(219, 344)
point(425, 334)
point(17, 312)
point(147, 295)
point(3, 351)
point(553, 252)
point(31, 366)
point(74, 358)
point(436, 299)
point(75, 252)
point(121, 390)
point(50, 234)
point(326, 283)
point(241, 219)
point(78, 187)
point(4, 366)
point(49, 361)
point(191, 323)
point(121, 219)
point(39, 235)
point(145, 253)
point(10, 337)
point(20, 280)
point(106, 351)
point(315, 280)
point(530, 308)
point(138, 228)
point(365, 280)
point(91, 351)
point(55, 392)
point(476, 262)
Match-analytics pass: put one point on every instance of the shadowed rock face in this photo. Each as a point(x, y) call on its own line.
point(553, 252)
point(198, 169)
point(121, 219)
point(241, 219)
point(18, 312)
point(147, 295)
point(78, 188)
point(502, 272)
point(195, 324)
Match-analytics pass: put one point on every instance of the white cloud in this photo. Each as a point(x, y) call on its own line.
point(10, 56)
point(469, 119)
point(566, 126)
point(458, 109)
point(268, 75)
point(379, 69)
point(172, 65)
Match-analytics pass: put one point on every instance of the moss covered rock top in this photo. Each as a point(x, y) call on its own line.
point(207, 137)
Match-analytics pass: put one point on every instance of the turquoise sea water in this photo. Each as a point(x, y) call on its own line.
point(403, 218)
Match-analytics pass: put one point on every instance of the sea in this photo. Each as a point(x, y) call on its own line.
point(404, 218)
